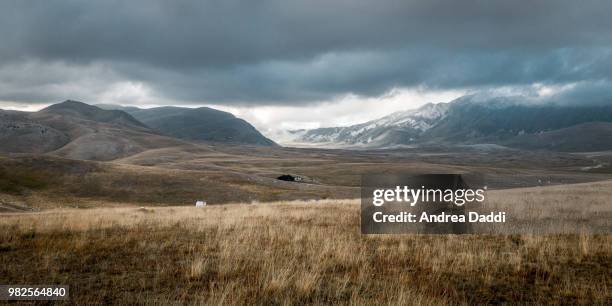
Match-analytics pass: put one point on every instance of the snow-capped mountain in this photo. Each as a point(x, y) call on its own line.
point(403, 127)
point(515, 122)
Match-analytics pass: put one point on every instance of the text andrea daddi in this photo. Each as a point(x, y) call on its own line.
point(426, 196)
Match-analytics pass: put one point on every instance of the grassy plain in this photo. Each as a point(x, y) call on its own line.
point(307, 252)
point(225, 174)
point(286, 243)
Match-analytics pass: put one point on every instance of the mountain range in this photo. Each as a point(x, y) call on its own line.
point(203, 123)
point(468, 121)
point(395, 129)
point(77, 130)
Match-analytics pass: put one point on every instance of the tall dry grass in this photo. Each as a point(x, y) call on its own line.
point(288, 253)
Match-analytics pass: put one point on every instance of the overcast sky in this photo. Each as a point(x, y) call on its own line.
point(285, 64)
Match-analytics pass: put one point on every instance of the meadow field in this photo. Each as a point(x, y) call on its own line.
point(301, 252)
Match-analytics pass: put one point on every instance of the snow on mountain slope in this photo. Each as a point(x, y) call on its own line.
point(514, 122)
point(400, 127)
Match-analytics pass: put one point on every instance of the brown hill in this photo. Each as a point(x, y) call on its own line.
point(21, 134)
point(80, 131)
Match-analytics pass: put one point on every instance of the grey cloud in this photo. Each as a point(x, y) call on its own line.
point(289, 52)
point(45, 82)
point(596, 93)
point(581, 93)
point(374, 73)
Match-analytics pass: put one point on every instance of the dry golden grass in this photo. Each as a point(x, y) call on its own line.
point(572, 208)
point(287, 253)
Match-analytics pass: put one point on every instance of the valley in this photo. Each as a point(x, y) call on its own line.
point(229, 174)
point(73, 154)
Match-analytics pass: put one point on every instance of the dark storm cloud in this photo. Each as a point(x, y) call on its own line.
point(284, 52)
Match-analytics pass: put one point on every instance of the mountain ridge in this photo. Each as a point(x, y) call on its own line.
point(402, 126)
point(198, 124)
point(503, 121)
point(76, 130)
point(93, 113)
